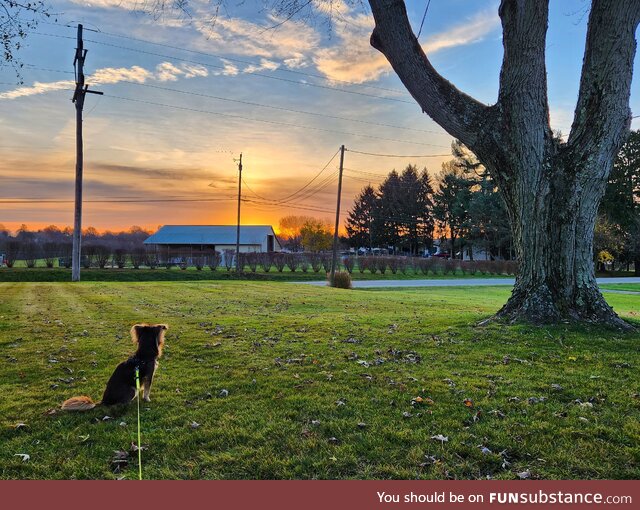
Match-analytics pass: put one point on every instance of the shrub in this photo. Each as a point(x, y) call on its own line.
point(266, 261)
point(304, 263)
point(65, 254)
point(30, 252)
point(348, 263)
point(228, 259)
point(403, 264)
point(102, 255)
point(393, 263)
point(368, 263)
point(151, 259)
point(326, 262)
point(468, 266)
point(87, 255)
point(252, 260)
point(279, 261)
point(341, 280)
point(120, 258)
point(214, 260)
point(381, 264)
point(199, 262)
point(137, 257)
point(12, 250)
point(449, 266)
point(292, 261)
point(316, 262)
point(511, 267)
point(50, 253)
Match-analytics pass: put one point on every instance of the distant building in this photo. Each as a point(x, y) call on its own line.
point(175, 242)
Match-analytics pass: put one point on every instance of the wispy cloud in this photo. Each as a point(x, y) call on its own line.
point(474, 30)
point(165, 71)
point(353, 59)
point(265, 65)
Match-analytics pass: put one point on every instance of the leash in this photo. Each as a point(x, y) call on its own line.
point(139, 443)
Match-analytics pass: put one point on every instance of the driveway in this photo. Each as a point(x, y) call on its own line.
point(462, 282)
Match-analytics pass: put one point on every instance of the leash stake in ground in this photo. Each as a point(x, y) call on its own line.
point(139, 444)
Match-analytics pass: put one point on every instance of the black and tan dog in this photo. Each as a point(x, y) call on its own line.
point(121, 387)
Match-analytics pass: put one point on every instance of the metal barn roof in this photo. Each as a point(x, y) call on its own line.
point(210, 234)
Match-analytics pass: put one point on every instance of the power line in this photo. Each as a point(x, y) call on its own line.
point(260, 105)
point(234, 59)
point(399, 155)
point(279, 123)
point(214, 66)
point(109, 201)
point(280, 108)
point(423, 18)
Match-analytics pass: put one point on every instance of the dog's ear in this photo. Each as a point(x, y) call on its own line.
point(135, 332)
point(163, 327)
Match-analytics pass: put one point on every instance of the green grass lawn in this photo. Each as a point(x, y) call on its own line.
point(320, 384)
point(629, 287)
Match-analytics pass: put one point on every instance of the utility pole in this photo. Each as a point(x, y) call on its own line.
point(78, 98)
point(238, 227)
point(334, 262)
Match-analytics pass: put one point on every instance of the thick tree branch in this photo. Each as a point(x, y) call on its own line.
point(523, 79)
point(459, 114)
point(602, 117)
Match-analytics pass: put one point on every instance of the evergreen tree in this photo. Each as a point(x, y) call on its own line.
point(360, 222)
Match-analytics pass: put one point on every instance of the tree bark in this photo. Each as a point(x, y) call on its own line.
point(551, 189)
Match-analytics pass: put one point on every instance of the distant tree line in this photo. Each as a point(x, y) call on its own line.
point(53, 245)
point(407, 212)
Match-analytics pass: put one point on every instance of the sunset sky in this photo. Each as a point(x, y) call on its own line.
point(176, 113)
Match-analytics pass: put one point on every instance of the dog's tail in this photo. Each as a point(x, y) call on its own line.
point(78, 404)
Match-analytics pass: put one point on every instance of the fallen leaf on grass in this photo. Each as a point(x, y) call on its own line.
point(84, 439)
point(468, 402)
point(20, 425)
point(524, 475)
point(25, 456)
point(194, 424)
point(441, 438)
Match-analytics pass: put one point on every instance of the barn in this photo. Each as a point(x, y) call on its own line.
point(186, 242)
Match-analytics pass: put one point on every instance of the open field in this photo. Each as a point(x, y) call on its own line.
point(303, 367)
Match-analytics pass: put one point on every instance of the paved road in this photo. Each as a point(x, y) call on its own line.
point(461, 282)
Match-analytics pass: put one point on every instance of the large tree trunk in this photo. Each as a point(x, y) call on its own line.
point(553, 234)
point(552, 188)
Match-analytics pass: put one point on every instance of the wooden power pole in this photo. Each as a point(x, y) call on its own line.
point(238, 225)
point(78, 98)
point(334, 261)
